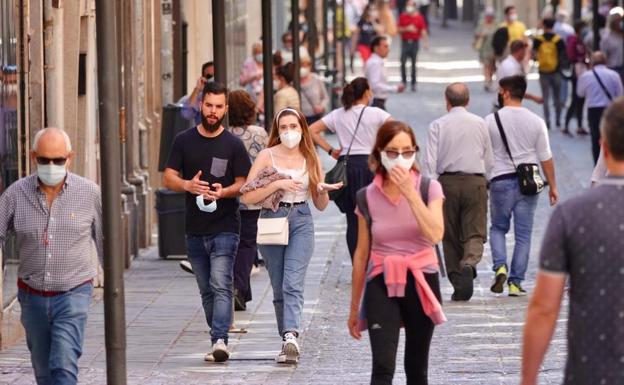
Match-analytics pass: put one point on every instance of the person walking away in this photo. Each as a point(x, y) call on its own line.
point(550, 51)
point(210, 164)
point(424, 10)
point(577, 53)
point(599, 86)
point(412, 28)
point(344, 122)
point(314, 98)
point(512, 66)
point(241, 119)
point(251, 73)
point(528, 142)
point(612, 43)
point(583, 242)
point(191, 103)
point(483, 45)
point(376, 73)
point(56, 217)
point(291, 153)
point(459, 155)
point(395, 269)
point(510, 30)
point(367, 29)
point(285, 94)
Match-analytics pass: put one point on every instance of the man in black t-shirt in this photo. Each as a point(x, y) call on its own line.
point(210, 165)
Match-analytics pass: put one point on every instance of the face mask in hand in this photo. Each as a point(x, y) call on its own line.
point(389, 164)
point(207, 208)
point(290, 138)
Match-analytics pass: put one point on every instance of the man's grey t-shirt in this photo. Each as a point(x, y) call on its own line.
point(585, 239)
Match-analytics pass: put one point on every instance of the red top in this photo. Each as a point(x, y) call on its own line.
point(416, 20)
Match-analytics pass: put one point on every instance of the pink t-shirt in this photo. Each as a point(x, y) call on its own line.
point(395, 230)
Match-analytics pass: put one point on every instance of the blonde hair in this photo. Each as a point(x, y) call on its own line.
point(306, 146)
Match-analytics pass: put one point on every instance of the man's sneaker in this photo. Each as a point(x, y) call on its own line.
point(290, 348)
point(219, 351)
point(499, 280)
point(186, 266)
point(515, 290)
point(209, 357)
point(281, 357)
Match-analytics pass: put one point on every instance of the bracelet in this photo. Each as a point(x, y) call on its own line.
point(329, 152)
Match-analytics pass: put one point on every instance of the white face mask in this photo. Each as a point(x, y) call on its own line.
point(290, 138)
point(513, 17)
point(258, 58)
point(389, 164)
point(304, 71)
point(51, 174)
point(410, 9)
point(208, 208)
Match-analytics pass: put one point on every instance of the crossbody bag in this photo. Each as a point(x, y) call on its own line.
point(529, 178)
point(606, 91)
point(274, 231)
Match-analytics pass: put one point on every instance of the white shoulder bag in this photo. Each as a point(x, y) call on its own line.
point(273, 231)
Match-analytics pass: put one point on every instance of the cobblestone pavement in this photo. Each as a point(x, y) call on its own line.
point(167, 335)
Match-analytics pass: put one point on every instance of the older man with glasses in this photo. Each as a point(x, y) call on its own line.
point(56, 216)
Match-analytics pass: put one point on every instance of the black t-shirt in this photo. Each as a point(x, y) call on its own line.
point(220, 159)
point(367, 32)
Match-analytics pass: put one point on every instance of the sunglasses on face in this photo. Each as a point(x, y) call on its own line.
point(57, 161)
point(395, 154)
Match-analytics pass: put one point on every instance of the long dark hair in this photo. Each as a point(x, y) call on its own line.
point(354, 91)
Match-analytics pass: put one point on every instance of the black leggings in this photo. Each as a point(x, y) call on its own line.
point(576, 106)
point(384, 320)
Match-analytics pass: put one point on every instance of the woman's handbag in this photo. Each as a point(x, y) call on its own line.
point(529, 178)
point(339, 172)
point(273, 231)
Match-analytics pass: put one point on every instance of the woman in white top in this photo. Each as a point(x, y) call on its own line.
point(291, 151)
point(343, 121)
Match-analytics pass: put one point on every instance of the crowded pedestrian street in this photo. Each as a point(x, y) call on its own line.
point(481, 342)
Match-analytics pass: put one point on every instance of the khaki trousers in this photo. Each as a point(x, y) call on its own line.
point(465, 221)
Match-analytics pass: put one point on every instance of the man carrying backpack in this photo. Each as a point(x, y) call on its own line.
point(550, 52)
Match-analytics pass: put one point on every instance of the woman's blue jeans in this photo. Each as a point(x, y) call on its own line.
point(287, 266)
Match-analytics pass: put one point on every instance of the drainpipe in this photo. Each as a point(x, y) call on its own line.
point(294, 15)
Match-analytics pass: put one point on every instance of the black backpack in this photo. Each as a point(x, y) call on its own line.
point(362, 204)
point(500, 39)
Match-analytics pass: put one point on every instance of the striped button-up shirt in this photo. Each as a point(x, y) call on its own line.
point(54, 244)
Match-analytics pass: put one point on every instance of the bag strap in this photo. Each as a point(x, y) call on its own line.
point(602, 85)
point(354, 134)
point(424, 194)
point(503, 137)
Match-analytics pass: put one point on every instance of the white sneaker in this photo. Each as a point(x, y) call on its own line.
point(220, 351)
point(186, 266)
point(281, 357)
point(291, 348)
point(209, 357)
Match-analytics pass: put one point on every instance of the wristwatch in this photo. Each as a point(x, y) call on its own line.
point(329, 152)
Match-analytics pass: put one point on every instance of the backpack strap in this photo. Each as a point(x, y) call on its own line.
point(424, 194)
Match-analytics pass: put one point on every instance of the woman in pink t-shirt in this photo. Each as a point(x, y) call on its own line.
point(401, 275)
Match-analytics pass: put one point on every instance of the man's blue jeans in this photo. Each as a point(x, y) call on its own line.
point(507, 201)
point(212, 258)
point(55, 332)
point(287, 266)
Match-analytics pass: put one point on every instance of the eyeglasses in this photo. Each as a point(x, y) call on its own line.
point(395, 154)
point(57, 161)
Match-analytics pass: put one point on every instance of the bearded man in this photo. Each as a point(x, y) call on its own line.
point(211, 165)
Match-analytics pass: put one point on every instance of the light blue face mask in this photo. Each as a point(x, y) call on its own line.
point(208, 208)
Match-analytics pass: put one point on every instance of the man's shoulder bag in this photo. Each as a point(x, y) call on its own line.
point(529, 178)
point(339, 172)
